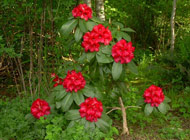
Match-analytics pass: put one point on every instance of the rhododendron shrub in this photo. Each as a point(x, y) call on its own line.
point(108, 53)
point(91, 109)
point(40, 108)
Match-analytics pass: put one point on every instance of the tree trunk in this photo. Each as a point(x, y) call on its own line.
point(88, 2)
point(100, 9)
point(172, 22)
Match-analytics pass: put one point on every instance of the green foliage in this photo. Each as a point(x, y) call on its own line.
point(78, 132)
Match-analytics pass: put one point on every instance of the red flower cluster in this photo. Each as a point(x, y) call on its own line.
point(74, 81)
point(99, 34)
point(154, 95)
point(123, 51)
point(92, 109)
point(40, 108)
point(82, 11)
point(57, 80)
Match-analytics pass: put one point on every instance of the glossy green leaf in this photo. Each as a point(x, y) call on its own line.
point(90, 25)
point(162, 108)
point(102, 58)
point(72, 115)
point(118, 24)
point(106, 50)
point(148, 109)
point(89, 125)
point(71, 124)
point(82, 58)
point(132, 67)
point(90, 55)
point(60, 94)
point(68, 27)
point(88, 91)
point(78, 97)
point(166, 99)
point(125, 36)
point(102, 125)
point(78, 34)
point(67, 101)
point(97, 20)
point(127, 30)
point(82, 25)
point(116, 70)
point(58, 104)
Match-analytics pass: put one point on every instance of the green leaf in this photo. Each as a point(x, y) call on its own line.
point(90, 55)
point(127, 30)
point(82, 25)
point(78, 97)
point(148, 109)
point(72, 115)
point(90, 25)
point(132, 67)
point(106, 50)
point(71, 124)
point(167, 100)
point(162, 108)
point(88, 91)
point(116, 70)
point(125, 36)
point(89, 125)
point(82, 58)
point(105, 117)
point(67, 101)
point(102, 125)
point(78, 34)
point(68, 27)
point(97, 20)
point(102, 58)
point(58, 104)
point(60, 94)
point(118, 24)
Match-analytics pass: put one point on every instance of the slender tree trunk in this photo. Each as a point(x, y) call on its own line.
point(172, 22)
point(40, 49)
point(88, 2)
point(100, 9)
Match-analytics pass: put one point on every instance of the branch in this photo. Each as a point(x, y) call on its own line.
point(113, 108)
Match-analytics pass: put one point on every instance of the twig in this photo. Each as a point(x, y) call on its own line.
point(113, 108)
point(132, 107)
point(125, 128)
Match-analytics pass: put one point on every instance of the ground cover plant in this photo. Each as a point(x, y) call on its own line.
point(86, 74)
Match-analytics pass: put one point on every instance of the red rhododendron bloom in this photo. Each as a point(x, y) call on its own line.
point(123, 52)
point(92, 109)
point(154, 95)
point(103, 35)
point(99, 34)
point(57, 80)
point(90, 42)
point(74, 81)
point(40, 108)
point(82, 11)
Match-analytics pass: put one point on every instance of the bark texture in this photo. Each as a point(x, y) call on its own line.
point(172, 22)
point(100, 9)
